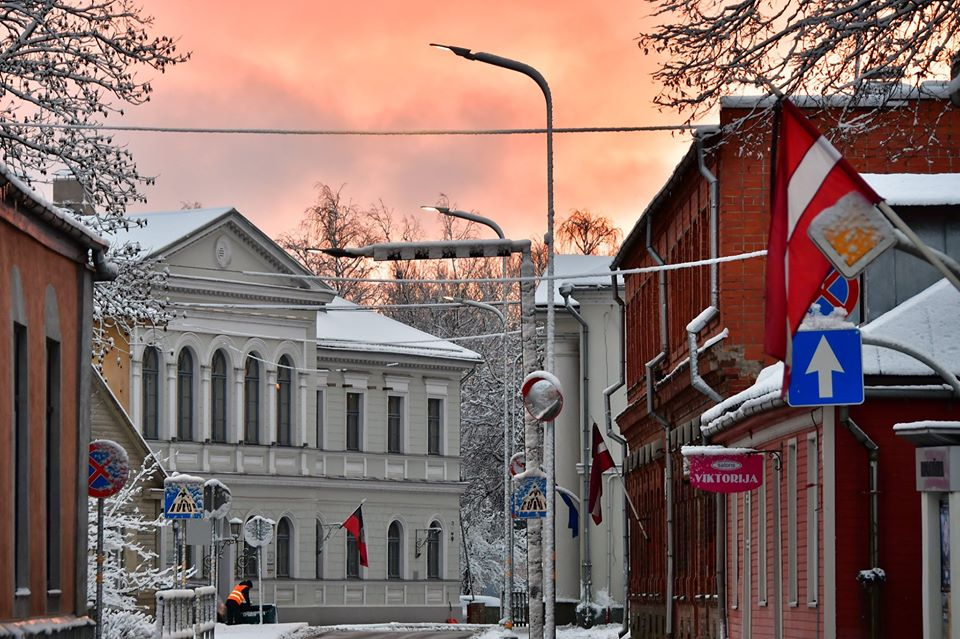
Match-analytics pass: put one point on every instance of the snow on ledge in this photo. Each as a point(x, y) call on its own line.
point(916, 189)
point(713, 451)
point(766, 387)
point(927, 425)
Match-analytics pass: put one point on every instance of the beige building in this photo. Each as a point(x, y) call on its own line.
point(304, 406)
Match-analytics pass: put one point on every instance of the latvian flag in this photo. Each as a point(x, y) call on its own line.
point(808, 176)
point(354, 526)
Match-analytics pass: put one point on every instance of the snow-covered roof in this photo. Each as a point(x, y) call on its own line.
point(342, 327)
point(165, 228)
point(929, 90)
point(928, 323)
point(916, 189)
point(595, 270)
point(54, 215)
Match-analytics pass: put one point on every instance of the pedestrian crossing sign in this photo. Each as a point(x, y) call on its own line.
point(530, 498)
point(183, 500)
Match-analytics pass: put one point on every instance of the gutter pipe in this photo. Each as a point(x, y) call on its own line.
point(608, 420)
point(586, 585)
point(873, 453)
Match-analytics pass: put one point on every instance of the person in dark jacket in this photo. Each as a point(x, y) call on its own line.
point(238, 601)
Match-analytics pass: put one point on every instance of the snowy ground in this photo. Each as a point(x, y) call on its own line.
point(608, 631)
point(256, 631)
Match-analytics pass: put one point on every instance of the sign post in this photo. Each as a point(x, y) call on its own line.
point(257, 532)
point(182, 500)
point(107, 471)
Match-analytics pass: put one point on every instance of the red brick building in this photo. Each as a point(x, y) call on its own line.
point(684, 358)
point(46, 295)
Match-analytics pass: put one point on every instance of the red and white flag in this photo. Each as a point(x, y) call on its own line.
point(808, 176)
point(601, 462)
point(354, 526)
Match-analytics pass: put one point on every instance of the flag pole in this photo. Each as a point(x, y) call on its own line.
point(928, 255)
point(632, 507)
point(362, 501)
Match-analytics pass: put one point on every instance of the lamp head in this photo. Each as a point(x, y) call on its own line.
point(443, 210)
point(339, 252)
point(463, 52)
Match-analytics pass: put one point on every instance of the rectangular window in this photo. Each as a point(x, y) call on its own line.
point(354, 417)
point(813, 538)
point(762, 542)
point(353, 558)
point(792, 522)
point(320, 419)
point(53, 464)
point(434, 425)
point(21, 456)
point(394, 424)
point(319, 549)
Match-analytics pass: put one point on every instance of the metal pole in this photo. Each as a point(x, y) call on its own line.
point(260, 580)
point(100, 568)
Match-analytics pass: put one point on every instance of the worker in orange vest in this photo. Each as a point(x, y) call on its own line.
point(238, 601)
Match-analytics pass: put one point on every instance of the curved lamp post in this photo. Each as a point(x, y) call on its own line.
point(548, 461)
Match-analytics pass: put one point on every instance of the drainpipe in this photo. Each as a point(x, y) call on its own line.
point(873, 455)
point(608, 420)
point(693, 328)
point(586, 588)
point(667, 460)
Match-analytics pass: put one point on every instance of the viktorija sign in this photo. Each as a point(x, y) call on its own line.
point(726, 473)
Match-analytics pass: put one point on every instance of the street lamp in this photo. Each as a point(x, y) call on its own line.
point(507, 427)
point(507, 612)
point(536, 76)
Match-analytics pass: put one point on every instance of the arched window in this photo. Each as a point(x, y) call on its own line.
point(284, 401)
point(251, 400)
point(353, 557)
point(185, 396)
point(433, 550)
point(283, 548)
point(218, 379)
point(394, 550)
point(151, 392)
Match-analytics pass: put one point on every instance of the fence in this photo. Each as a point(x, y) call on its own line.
point(521, 611)
point(187, 613)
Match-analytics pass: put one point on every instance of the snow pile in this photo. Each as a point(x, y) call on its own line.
point(916, 189)
point(766, 388)
point(871, 577)
point(258, 631)
point(817, 321)
point(688, 451)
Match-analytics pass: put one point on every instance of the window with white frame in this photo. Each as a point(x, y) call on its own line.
point(394, 550)
point(353, 557)
point(318, 546)
point(394, 424)
point(434, 544)
point(434, 425)
point(21, 459)
point(284, 546)
point(150, 392)
point(320, 416)
point(185, 394)
point(251, 400)
point(354, 416)
point(762, 539)
point(53, 464)
point(792, 522)
point(285, 401)
point(218, 397)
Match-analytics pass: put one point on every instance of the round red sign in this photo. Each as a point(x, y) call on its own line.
point(107, 468)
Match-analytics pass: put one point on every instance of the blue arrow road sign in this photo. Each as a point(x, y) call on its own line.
point(827, 368)
point(530, 498)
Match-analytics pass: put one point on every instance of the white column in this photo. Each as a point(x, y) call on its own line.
point(205, 414)
point(930, 554)
point(136, 393)
point(829, 555)
point(168, 426)
point(270, 422)
point(301, 432)
point(237, 420)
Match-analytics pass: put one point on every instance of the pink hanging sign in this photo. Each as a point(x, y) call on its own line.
point(726, 473)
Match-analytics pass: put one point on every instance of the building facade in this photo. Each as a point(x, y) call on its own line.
point(304, 406)
point(46, 297)
point(695, 339)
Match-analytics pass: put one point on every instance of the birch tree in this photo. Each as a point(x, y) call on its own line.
point(64, 68)
point(852, 48)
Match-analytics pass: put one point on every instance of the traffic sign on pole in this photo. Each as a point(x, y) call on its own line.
point(183, 497)
point(530, 498)
point(838, 292)
point(827, 368)
point(107, 468)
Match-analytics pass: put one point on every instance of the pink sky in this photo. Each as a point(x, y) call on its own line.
point(367, 65)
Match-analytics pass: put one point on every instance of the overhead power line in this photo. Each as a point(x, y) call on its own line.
point(350, 132)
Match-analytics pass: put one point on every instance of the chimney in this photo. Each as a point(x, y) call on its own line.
point(68, 193)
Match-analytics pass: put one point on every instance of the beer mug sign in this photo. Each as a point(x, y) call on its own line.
point(542, 395)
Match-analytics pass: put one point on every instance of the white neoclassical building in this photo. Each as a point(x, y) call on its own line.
point(588, 360)
point(304, 405)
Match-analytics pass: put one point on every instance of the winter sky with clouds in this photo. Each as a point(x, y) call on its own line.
point(367, 65)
